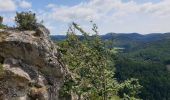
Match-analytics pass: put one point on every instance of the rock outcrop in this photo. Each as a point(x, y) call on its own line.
point(30, 65)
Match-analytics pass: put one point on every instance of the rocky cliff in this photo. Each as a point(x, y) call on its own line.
point(30, 65)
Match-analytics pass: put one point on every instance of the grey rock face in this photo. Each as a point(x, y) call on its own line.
point(31, 67)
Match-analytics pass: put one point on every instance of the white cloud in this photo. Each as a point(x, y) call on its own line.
point(51, 5)
point(13, 5)
point(115, 15)
point(25, 4)
point(99, 9)
point(7, 6)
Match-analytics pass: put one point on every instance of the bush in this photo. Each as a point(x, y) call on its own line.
point(26, 20)
point(1, 25)
point(1, 20)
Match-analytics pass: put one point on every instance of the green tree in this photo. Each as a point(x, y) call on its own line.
point(90, 63)
point(26, 20)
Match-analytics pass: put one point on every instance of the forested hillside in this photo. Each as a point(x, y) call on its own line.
point(144, 57)
point(148, 62)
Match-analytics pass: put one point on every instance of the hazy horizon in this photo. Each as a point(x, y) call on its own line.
point(117, 33)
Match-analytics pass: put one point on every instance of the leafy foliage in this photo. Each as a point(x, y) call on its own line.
point(26, 20)
point(1, 19)
point(1, 25)
point(153, 76)
point(91, 65)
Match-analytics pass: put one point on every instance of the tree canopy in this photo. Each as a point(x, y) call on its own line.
point(91, 65)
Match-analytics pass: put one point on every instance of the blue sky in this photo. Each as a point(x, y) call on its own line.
point(120, 16)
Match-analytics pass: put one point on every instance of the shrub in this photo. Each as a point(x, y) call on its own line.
point(1, 25)
point(1, 20)
point(26, 20)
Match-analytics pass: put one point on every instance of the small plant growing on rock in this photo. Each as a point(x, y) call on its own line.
point(26, 20)
point(1, 19)
point(1, 25)
point(1, 67)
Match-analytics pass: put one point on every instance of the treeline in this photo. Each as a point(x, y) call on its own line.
point(148, 63)
point(153, 76)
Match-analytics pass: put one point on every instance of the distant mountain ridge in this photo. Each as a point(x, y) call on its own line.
point(128, 41)
point(133, 36)
point(125, 36)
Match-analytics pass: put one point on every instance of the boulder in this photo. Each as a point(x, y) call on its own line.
point(31, 65)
